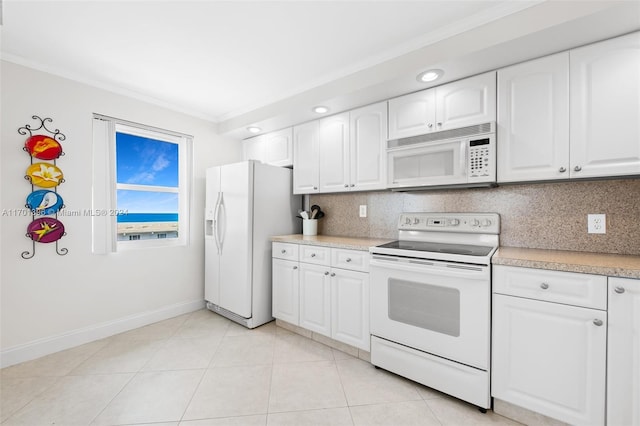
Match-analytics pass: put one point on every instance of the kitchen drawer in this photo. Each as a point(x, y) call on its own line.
point(350, 259)
point(315, 254)
point(568, 288)
point(285, 251)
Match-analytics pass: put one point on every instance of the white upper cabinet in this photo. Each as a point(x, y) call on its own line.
point(533, 120)
point(254, 149)
point(306, 168)
point(349, 152)
point(466, 102)
point(279, 147)
point(605, 108)
point(413, 114)
point(368, 156)
point(453, 105)
point(334, 153)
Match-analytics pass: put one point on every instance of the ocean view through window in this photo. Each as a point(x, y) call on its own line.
point(147, 183)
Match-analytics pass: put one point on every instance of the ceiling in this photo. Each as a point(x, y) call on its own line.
point(239, 63)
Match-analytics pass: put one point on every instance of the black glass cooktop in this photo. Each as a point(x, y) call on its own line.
point(468, 250)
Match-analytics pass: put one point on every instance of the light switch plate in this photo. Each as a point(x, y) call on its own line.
point(363, 210)
point(597, 224)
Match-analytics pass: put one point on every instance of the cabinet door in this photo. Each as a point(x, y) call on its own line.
point(605, 108)
point(279, 147)
point(315, 298)
point(623, 353)
point(550, 358)
point(306, 171)
point(285, 301)
point(334, 153)
point(368, 127)
point(350, 308)
point(466, 102)
point(412, 115)
point(533, 120)
point(254, 149)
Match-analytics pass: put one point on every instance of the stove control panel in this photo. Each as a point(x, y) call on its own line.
point(480, 223)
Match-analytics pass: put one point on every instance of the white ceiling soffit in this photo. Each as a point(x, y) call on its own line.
point(221, 59)
point(265, 63)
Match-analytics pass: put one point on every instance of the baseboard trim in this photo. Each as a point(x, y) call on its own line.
point(49, 345)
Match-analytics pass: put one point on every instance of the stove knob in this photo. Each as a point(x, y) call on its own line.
point(486, 222)
point(454, 222)
point(408, 221)
point(416, 221)
point(475, 222)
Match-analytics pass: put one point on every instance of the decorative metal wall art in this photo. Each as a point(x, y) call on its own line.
point(44, 202)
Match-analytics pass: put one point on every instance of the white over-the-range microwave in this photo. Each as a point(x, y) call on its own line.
point(464, 157)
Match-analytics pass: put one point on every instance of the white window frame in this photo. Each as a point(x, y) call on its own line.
point(105, 186)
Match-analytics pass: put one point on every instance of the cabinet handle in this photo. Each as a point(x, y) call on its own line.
point(333, 274)
point(440, 124)
point(283, 251)
point(313, 255)
point(430, 125)
point(353, 184)
point(295, 267)
point(326, 273)
point(562, 170)
point(346, 185)
point(315, 187)
point(597, 322)
point(577, 168)
point(348, 259)
point(544, 286)
point(619, 290)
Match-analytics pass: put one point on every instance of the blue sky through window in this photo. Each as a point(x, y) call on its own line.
point(143, 161)
point(149, 162)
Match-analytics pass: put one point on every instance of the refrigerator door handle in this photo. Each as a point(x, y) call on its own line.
point(222, 221)
point(216, 220)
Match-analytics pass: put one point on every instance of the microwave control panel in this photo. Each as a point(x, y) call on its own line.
point(480, 151)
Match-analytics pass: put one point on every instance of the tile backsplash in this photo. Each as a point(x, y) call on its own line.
point(541, 215)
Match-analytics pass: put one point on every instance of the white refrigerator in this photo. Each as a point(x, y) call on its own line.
point(246, 204)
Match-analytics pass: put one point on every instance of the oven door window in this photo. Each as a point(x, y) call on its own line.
point(427, 306)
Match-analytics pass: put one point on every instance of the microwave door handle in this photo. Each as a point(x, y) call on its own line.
point(464, 161)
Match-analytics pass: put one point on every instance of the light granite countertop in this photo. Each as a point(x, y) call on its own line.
point(612, 265)
point(351, 243)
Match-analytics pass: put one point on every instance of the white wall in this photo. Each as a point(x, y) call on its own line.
point(52, 302)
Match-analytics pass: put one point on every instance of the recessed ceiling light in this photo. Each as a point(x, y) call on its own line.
point(429, 75)
point(321, 109)
point(254, 129)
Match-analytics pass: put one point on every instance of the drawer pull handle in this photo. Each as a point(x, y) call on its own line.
point(348, 259)
point(295, 267)
point(597, 322)
point(313, 255)
point(333, 274)
point(619, 290)
point(544, 286)
point(326, 273)
point(283, 251)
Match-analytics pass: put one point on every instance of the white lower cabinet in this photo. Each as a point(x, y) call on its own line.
point(315, 298)
point(350, 307)
point(623, 354)
point(315, 294)
point(285, 290)
point(549, 357)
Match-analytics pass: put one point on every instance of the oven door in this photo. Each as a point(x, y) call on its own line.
point(437, 307)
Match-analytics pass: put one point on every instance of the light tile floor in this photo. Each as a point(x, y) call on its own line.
point(201, 369)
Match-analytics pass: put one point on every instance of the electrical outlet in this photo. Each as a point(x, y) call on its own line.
point(363, 210)
point(597, 224)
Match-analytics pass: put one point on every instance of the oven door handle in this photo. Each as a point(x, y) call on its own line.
point(426, 266)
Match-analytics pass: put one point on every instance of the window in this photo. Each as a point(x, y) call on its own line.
point(144, 201)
